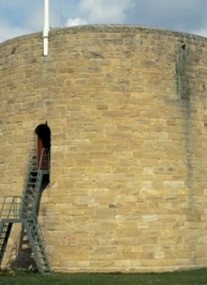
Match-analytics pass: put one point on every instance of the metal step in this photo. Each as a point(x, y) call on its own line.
point(5, 229)
point(31, 194)
point(26, 214)
point(37, 245)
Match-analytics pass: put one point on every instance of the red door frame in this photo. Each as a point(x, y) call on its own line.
point(39, 150)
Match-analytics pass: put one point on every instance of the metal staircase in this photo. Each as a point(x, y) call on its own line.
point(5, 229)
point(24, 210)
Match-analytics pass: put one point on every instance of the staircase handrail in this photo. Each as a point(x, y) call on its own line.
point(11, 207)
point(44, 162)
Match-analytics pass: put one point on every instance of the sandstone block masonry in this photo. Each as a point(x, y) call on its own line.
point(127, 108)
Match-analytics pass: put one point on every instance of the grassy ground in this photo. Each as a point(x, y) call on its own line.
point(193, 277)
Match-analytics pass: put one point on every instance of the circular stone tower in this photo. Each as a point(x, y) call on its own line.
point(126, 107)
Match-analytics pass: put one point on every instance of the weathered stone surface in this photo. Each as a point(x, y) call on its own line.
point(127, 109)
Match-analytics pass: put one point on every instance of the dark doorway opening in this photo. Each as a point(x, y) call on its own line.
point(43, 146)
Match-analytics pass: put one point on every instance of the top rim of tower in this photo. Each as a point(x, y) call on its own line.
point(107, 28)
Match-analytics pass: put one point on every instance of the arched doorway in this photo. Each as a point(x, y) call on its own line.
point(43, 146)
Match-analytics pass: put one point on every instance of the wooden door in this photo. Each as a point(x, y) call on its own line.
point(39, 151)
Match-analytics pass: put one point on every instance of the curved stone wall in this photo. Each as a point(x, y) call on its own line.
point(127, 108)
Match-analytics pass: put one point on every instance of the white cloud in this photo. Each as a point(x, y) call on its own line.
point(8, 31)
point(109, 11)
point(31, 22)
point(35, 19)
point(76, 22)
point(19, 17)
point(101, 11)
point(185, 15)
point(201, 32)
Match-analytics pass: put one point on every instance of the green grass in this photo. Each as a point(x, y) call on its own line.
point(193, 277)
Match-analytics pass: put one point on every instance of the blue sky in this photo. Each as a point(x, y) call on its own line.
point(19, 17)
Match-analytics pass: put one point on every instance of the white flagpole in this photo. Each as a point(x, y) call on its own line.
point(46, 28)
